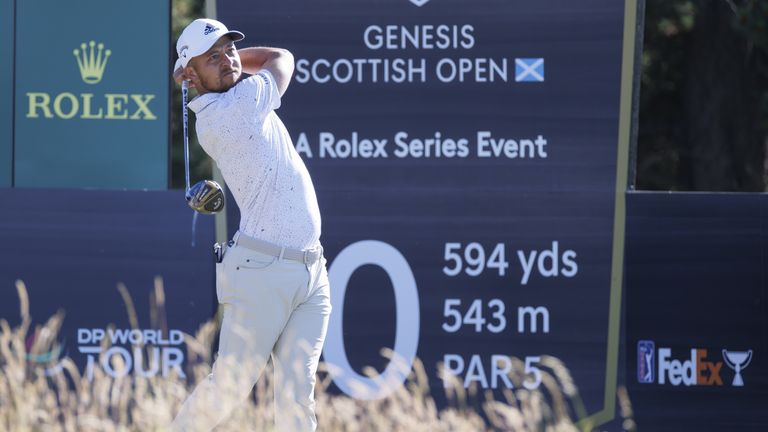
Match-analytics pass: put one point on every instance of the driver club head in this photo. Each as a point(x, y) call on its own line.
point(205, 197)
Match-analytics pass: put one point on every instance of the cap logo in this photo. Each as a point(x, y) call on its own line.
point(92, 59)
point(209, 29)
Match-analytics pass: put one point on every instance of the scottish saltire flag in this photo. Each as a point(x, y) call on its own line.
point(529, 70)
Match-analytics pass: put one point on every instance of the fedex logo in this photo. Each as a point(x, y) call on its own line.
point(696, 370)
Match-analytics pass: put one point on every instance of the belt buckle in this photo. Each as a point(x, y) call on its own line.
point(312, 255)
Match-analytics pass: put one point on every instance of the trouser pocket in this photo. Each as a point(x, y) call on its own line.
point(220, 251)
point(219, 280)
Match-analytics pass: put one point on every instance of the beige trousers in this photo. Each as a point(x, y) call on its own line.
point(272, 307)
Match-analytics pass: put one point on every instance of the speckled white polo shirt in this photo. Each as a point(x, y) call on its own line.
point(241, 132)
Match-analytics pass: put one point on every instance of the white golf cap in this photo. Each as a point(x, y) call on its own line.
point(199, 36)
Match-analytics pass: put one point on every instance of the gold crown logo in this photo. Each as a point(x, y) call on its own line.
point(92, 59)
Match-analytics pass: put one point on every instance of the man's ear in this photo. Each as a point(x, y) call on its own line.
point(192, 76)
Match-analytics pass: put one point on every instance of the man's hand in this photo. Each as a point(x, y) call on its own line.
point(179, 75)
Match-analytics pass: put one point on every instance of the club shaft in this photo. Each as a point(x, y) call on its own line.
point(184, 95)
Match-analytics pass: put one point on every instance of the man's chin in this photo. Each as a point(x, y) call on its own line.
point(229, 80)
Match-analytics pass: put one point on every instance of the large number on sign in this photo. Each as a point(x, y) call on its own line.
point(392, 261)
point(531, 369)
point(473, 261)
point(474, 316)
point(451, 255)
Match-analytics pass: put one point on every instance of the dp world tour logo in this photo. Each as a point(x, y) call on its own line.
point(145, 352)
point(92, 59)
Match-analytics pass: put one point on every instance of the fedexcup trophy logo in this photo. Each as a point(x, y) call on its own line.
point(738, 361)
point(92, 59)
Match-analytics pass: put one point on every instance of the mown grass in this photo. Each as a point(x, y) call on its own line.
point(68, 401)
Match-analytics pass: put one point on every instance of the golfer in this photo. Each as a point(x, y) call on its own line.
point(272, 281)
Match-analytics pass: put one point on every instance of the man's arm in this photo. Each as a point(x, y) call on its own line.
point(278, 61)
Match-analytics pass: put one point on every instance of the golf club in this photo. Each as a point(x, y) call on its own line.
point(206, 196)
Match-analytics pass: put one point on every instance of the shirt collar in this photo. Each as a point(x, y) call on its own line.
point(200, 102)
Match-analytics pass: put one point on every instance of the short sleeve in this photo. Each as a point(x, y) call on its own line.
point(260, 92)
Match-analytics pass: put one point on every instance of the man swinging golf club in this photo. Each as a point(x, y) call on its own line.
point(272, 280)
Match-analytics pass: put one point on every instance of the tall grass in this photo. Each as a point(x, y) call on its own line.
point(65, 400)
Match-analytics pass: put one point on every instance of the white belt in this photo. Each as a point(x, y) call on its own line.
point(307, 256)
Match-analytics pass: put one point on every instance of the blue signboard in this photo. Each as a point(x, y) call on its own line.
point(697, 353)
point(93, 111)
point(470, 163)
point(6, 90)
point(74, 248)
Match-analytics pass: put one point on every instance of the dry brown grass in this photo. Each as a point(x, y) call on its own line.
point(67, 401)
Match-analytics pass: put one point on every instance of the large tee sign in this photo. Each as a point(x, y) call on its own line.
point(470, 163)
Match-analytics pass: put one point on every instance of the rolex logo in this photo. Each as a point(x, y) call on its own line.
point(92, 59)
